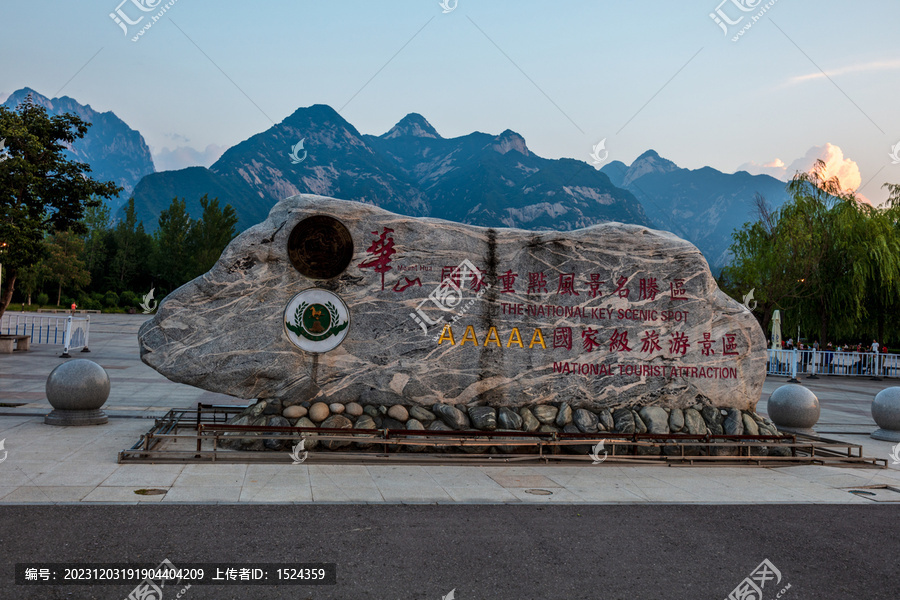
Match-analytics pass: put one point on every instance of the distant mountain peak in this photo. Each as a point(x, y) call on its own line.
point(412, 125)
point(648, 162)
point(510, 140)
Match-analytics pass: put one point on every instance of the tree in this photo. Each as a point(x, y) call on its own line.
point(41, 191)
point(96, 223)
point(172, 261)
point(64, 264)
point(130, 248)
point(210, 234)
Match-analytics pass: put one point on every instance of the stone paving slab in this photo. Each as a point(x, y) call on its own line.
point(63, 465)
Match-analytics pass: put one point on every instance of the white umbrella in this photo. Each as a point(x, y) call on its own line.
point(776, 330)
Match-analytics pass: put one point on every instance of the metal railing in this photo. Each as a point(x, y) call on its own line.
point(790, 363)
point(70, 332)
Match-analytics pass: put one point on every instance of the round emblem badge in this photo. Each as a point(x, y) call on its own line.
point(316, 320)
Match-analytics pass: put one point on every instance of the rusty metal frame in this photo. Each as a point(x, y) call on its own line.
point(208, 427)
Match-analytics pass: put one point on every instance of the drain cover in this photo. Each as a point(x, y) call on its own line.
point(539, 492)
point(878, 493)
point(151, 492)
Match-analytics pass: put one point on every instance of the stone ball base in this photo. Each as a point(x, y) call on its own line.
point(699, 419)
point(794, 408)
point(886, 435)
point(76, 417)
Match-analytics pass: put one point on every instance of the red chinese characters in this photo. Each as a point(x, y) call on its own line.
point(537, 283)
point(650, 342)
point(566, 284)
point(562, 338)
point(381, 251)
point(507, 280)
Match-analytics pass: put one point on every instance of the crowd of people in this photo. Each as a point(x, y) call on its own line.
point(864, 361)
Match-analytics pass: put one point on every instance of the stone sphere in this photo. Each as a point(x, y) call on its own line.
point(793, 406)
point(886, 412)
point(78, 384)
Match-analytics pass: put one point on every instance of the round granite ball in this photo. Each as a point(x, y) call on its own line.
point(77, 389)
point(78, 385)
point(886, 412)
point(793, 406)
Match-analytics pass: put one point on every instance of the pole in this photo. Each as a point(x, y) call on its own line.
point(793, 378)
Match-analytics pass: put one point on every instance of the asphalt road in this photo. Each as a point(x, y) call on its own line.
point(484, 552)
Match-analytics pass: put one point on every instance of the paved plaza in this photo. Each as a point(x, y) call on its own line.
point(61, 465)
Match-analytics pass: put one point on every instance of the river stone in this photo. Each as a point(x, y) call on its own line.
point(312, 440)
point(606, 420)
point(676, 420)
point(389, 423)
point(354, 409)
point(398, 412)
point(226, 331)
point(734, 422)
point(529, 421)
point(575, 448)
point(414, 425)
point(693, 422)
point(508, 419)
point(713, 419)
point(318, 412)
point(656, 419)
point(336, 422)
point(548, 428)
point(364, 422)
point(371, 410)
point(585, 420)
point(451, 416)
point(422, 414)
point(257, 409)
point(750, 426)
point(639, 425)
point(277, 421)
point(294, 412)
point(483, 417)
point(624, 420)
point(564, 416)
point(545, 413)
point(336, 408)
point(439, 425)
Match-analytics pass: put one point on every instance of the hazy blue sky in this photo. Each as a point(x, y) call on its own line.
point(652, 74)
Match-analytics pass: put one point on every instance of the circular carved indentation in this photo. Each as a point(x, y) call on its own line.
point(320, 247)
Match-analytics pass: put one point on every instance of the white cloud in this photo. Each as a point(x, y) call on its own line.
point(836, 165)
point(881, 65)
point(185, 156)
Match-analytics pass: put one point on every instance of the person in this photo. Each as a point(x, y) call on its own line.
point(874, 359)
point(829, 356)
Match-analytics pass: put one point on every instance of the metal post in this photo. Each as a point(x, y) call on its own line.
point(815, 355)
point(793, 378)
point(87, 331)
point(67, 339)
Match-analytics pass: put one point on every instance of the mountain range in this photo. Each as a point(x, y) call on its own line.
point(479, 178)
point(114, 150)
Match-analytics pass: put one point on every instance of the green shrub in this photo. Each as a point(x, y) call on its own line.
point(111, 299)
point(43, 299)
point(128, 298)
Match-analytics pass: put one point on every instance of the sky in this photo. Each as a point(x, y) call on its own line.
point(769, 88)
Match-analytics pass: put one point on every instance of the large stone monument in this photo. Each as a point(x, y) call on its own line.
point(337, 302)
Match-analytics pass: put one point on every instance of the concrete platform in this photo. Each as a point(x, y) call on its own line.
point(60, 465)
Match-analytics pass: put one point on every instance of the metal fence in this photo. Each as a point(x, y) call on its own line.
point(69, 332)
point(791, 363)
